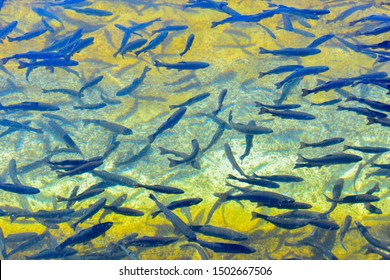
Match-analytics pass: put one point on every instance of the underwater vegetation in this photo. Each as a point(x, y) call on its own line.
point(194, 129)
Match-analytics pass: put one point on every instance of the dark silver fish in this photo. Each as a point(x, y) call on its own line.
point(257, 182)
point(219, 232)
point(286, 223)
point(179, 204)
point(89, 212)
point(367, 149)
point(63, 136)
point(280, 178)
point(175, 220)
point(190, 101)
point(287, 114)
point(331, 159)
point(370, 238)
point(230, 248)
point(116, 128)
point(323, 143)
point(248, 129)
point(344, 230)
point(190, 158)
point(357, 198)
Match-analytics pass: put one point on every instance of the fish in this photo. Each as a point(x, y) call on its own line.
point(373, 104)
point(83, 168)
point(212, 5)
point(118, 202)
point(91, 83)
point(89, 212)
point(153, 43)
point(344, 230)
point(182, 65)
point(7, 30)
point(91, 12)
point(376, 31)
point(151, 241)
point(280, 178)
point(43, 214)
point(63, 136)
point(30, 106)
point(219, 232)
point(367, 149)
point(115, 178)
point(257, 182)
point(248, 142)
point(96, 106)
point(244, 18)
point(48, 63)
point(85, 235)
point(53, 253)
point(132, 46)
point(281, 69)
point(382, 121)
point(175, 220)
point(285, 223)
point(179, 204)
point(287, 114)
point(248, 129)
point(28, 35)
point(160, 188)
point(380, 18)
point(84, 195)
point(19, 126)
point(170, 28)
point(287, 89)
point(3, 249)
point(191, 157)
point(169, 123)
point(190, 41)
point(113, 127)
point(135, 84)
point(336, 193)
point(191, 101)
point(143, 152)
point(330, 159)
point(232, 160)
point(311, 70)
point(19, 189)
point(323, 143)
point(221, 98)
point(358, 198)
point(230, 248)
point(261, 197)
point(29, 243)
point(291, 52)
point(320, 40)
point(124, 211)
point(349, 12)
point(327, 103)
point(278, 106)
point(370, 238)
point(45, 13)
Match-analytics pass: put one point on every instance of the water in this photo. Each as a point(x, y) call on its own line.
point(232, 50)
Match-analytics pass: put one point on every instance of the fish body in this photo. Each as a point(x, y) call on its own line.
point(370, 238)
point(257, 182)
point(331, 159)
point(262, 197)
point(89, 212)
point(30, 106)
point(323, 143)
point(169, 123)
point(190, 158)
point(19, 189)
point(153, 43)
point(287, 114)
point(190, 41)
point(133, 45)
point(91, 84)
point(281, 178)
point(285, 223)
point(113, 127)
point(248, 129)
point(372, 103)
point(368, 149)
point(221, 98)
point(230, 248)
point(182, 65)
point(292, 51)
point(191, 101)
point(358, 198)
point(312, 70)
point(7, 30)
point(62, 135)
point(219, 232)
point(28, 35)
point(179, 204)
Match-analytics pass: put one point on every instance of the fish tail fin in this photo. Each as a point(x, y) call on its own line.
point(172, 107)
point(86, 122)
point(262, 50)
point(10, 39)
point(5, 60)
point(370, 120)
point(305, 92)
point(328, 198)
point(158, 63)
point(222, 196)
point(152, 197)
point(230, 116)
point(60, 174)
point(61, 198)
point(351, 98)
point(263, 111)
point(155, 214)
point(261, 74)
point(301, 158)
point(339, 108)
point(303, 145)
point(23, 64)
point(230, 176)
point(256, 215)
point(214, 24)
point(172, 162)
point(279, 85)
point(346, 147)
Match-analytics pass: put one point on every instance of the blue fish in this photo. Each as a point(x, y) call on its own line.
point(28, 35)
point(7, 30)
point(153, 43)
point(182, 65)
point(312, 70)
point(131, 46)
point(45, 13)
point(292, 51)
point(170, 28)
point(135, 84)
point(281, 69)
point(91, 12)
point(19, 189)
point(190, 41)
point(320, 40)
point(244, 18)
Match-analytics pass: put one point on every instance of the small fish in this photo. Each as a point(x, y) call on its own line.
point(248, 129)
point(84, 195)
point(135, 84)
point(151, 241)
point(169, 123)
point(261, 197)
point(175, 220)
point(83, 168)
point(179, 204)
point(230, 248)
point(153, 43)
point(132, 46)
point(311, 70)
point(62, 135)
point(344, 230)
point(89, 212)
point(248, 142)
point(232, 160)
point(281, 69)
point(19, 189)
point(320, 40)
point(287, 114)
point(331, 159)
point(143, 152)
point(257, 182)
point(91, 12)
point(190, 158)
point(367, 149)
point(219, 232)
point(113, 127)
point(371, 239)
point(7, 30)
point(28, 35)
point(124, 211)
point(53, 253)
point(190, 41)
point(382, 121)
point(91, 84)
point(285, 223)
point(85, 235)
point(160, 188)
point(278, 106)
point(244, 18)
point(327, 103)
point(170, 28)
point(45, 13)
point(280, 178)
point(373, 104)
point(118, 202)
point(221, 98)
point(30, 106)
point(292, 51)
point(336, 193)
point(96, 106)
point(191, 101)
point(349, 12)
point(115, 178)
point(323, 143)
point(358, 198)
point(182, 65)
point(19, 126)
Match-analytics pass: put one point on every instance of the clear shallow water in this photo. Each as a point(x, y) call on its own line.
point(232, 50)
